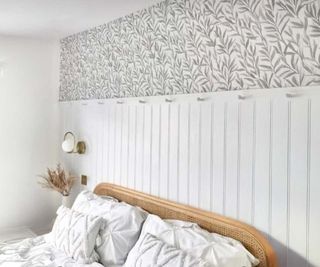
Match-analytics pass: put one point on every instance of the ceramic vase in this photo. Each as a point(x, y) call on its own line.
point(66, 201)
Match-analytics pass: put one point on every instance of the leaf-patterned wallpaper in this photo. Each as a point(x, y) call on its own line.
point(190, 46)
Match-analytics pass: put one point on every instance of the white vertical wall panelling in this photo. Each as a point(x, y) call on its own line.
point(255, 159)
point(139, 157)
point(132, 146)
point(246, 128)
point(81, 111)
point(111, 143)
point(164, 150)
point(95, 136)
point(314, 198)
point(183, 182)
point(218, 155)
point(155, 148)
point(212, 133)
point(124, 146)
point(205, 156)
point(173, 153)
point(147, 155)
point(279, 176)
point(117, 143)
point(231, 164)
point(106, 141)
point(195, 134)
point(308, 183)
point(115, 130)
point(298, 180)
point(100, 141)
point(89, 159)
point(262, 172)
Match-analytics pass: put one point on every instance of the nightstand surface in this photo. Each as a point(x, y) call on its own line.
point(12, 235)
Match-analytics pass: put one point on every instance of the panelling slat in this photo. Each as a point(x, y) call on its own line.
point(139, 157)
point(205, 156)
point(132, 146)
point(156, 141)
point(298, 181)
point(147, 157)
point(99, 140)
point(231, 160)
point(106, 126)
point(314, 198)
point(124, 146)
point(184, 153)
point(262, 156)
point(95, 138)
point(173, 151)
point(85, 129)
point(111, 150)
point(218, 156)
point(117, 143)
point(246, 126)
point(194, 178)
point(164, 150)
point(279, 176)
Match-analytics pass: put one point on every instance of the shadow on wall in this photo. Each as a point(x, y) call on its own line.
point(286, 256)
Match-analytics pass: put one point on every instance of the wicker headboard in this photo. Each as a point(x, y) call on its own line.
point(253, 240)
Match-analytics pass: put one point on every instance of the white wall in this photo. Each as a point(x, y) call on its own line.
point(256, 160)
point(28, 130)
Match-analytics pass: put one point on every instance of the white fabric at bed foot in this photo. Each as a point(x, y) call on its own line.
point(36, 252)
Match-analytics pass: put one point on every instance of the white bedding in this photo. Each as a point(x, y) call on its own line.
point(36, 252)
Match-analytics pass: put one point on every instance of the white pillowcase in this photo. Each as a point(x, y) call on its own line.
point(154, 252)
point(123, 224)
point(75, 234)
point(88, 202)
point(217, 250)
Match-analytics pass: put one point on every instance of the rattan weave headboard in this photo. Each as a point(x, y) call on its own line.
point(253, 240)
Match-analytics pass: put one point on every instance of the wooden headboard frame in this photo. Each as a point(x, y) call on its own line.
point(253, 240)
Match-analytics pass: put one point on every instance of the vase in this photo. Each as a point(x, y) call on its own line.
point(66, 201)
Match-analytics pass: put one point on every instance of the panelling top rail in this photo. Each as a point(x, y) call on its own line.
point(290, 92)
point(253, 240)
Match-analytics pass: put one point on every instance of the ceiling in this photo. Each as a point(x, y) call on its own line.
point(55, 19)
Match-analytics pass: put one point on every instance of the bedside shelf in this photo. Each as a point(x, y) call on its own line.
point(12, 235)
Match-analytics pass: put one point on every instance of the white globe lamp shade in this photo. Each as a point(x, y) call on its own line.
point(67, 146)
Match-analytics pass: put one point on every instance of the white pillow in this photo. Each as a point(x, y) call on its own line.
point(123, 224)
point(217, 250)
point(75, 234)
point(87, 202)
point(154, 252)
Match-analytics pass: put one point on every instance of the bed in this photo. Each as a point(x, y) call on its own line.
point(253, 240)
point(38, 252)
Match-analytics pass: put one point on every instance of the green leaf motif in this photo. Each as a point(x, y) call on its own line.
point(190, 46)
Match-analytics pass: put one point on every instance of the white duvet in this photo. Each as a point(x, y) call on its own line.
point(36, 252)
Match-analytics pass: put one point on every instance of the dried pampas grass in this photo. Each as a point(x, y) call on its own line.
point(57, 180)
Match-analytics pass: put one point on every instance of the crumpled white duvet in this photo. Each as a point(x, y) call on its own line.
point(36, 252)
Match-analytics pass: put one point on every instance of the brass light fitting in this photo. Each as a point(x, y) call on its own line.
point(70, 145)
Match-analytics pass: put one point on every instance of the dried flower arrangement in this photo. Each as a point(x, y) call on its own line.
point(57, 180)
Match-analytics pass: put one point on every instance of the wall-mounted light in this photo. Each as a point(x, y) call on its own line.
point(70, 145)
